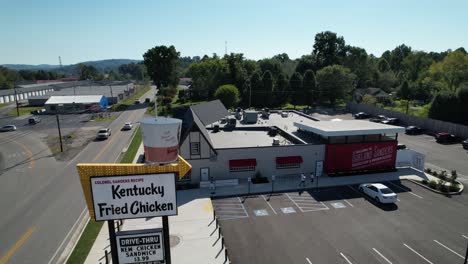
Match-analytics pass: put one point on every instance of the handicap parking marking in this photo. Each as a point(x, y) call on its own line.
point(338, 205)
point(260, 212)
point(229, 208)
point(288, 210)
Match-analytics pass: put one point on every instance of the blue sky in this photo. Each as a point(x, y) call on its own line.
point(37, 32)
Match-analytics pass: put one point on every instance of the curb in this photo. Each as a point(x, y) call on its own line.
point(437, 191)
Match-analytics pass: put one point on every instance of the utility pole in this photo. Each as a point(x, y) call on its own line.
point(112, 95)
point(16, 99)
point(58, 127)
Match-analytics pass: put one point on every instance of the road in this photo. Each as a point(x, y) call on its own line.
point(41, 198)
point(438, 156)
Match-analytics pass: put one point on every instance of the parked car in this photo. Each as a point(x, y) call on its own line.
point(38, 111)
point(379, 192)
point(104, 133)
point(361, 115)
point(8, 128)
point(137, 101)
point(147, 100)
point(401, 146)
point(378, 119)
point(127, 126)
point(34, 120)
point(445, 137)
point(413, 130)
point(465, 144)
point(390, 121)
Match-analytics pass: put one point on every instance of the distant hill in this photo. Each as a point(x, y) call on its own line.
point(101, 65)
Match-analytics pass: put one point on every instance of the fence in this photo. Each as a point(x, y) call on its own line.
point(408, 120)
point(220, 237)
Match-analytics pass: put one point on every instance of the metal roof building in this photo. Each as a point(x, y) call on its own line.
point(76, 103)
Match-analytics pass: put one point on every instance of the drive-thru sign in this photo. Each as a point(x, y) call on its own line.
point(140, 246)
point(134, 196)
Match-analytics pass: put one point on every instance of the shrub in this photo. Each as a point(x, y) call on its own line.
point(454, 188)
point(424, 182)
point(428, 170)
point(432, 184)
point(444, 188)
point(453, 176)
point(443, 175)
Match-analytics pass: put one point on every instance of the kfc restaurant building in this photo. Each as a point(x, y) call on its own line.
point(355, 146)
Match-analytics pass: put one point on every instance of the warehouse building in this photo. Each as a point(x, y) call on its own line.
point(224, 149)
point(76, 104)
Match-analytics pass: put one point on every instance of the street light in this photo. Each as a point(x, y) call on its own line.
point(58, 125)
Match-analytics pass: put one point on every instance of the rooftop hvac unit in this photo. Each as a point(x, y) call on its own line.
point(276, 142)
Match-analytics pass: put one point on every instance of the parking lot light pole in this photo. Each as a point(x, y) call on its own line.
point(58, 127)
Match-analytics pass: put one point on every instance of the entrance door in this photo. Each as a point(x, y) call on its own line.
point(205, 174)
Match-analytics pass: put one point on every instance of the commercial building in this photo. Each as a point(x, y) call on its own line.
point(76, 104)
point(282, 143)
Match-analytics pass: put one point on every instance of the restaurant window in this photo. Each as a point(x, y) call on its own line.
point(241, 165)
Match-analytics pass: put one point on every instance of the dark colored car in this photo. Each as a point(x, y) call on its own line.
point(465, 144)
point(147, 100)
point(401, 146)
point(361, 115)
point(445, 137)
point(413, 130)
point(378, 119)
point(390, 121)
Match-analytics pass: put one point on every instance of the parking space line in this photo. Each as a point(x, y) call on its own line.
point(269, 204)
point(380, 254)
point(465, 236)
point(350, 204)
point(415, 252)
point(449, 249)
point(243, 207)
point(305, 204)
point(308, 261)
point(410, 192)
point(347, 260)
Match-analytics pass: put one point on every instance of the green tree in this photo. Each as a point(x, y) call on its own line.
point(383, 65)
point(452, 71)
point(86, 72)
point(397, 56)
point(295, 85)
point(268, 88)
point(445, 107)
point(237, 73)
point(282, 88)
point(207, 75)
point(256, 90)
point(272, 65)
point(307, 62)
point(228, 94)
point(161, 63)
point(405, 91)
point(334, 82)
point(357, 61)
point(309, 92)
point(463, 100)
point(329, 48)
point(369, 99)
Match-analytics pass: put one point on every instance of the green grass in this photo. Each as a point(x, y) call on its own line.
point(104, 118)
point(289, 106)
point(123, 105)
point(414, 110)
point(5, 104)
point(84, 245)
point(133, 148)
point(26, 110)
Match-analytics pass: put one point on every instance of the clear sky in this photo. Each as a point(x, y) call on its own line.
point(37, 32)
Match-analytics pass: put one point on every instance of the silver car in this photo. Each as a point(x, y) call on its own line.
point(8, 128)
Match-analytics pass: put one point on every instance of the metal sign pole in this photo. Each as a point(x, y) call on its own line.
point(113, 241)
point(167, 245)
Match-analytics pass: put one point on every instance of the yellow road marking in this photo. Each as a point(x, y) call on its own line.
point(109, 142)
point(17, 245)
point(208, 207)
point(32, 162)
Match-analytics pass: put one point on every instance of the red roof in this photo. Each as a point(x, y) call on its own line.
point(243, 163)
point(289, 160)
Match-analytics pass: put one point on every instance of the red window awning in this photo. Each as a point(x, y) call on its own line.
point(289, 160)
point(243, 163)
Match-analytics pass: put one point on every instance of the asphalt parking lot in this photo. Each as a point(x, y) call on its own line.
point(341, 225)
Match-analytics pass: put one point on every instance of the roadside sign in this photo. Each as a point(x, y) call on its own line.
point(134, 196)
point(140, 246)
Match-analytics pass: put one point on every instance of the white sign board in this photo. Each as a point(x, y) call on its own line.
point(318, 168)
point(142, 246)
point(134, 196)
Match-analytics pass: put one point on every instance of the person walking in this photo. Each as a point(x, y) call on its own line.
point(311, 177)
point(303, 179)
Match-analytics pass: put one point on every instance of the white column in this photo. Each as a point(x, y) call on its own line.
point(1, 100)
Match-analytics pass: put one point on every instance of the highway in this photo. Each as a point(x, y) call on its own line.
point(41, 199)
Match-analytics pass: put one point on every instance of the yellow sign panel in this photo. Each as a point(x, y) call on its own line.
point(88, 170)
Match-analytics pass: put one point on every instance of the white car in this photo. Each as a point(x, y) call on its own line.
point(127, 126)
point(104, 133)
point(379, 192)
